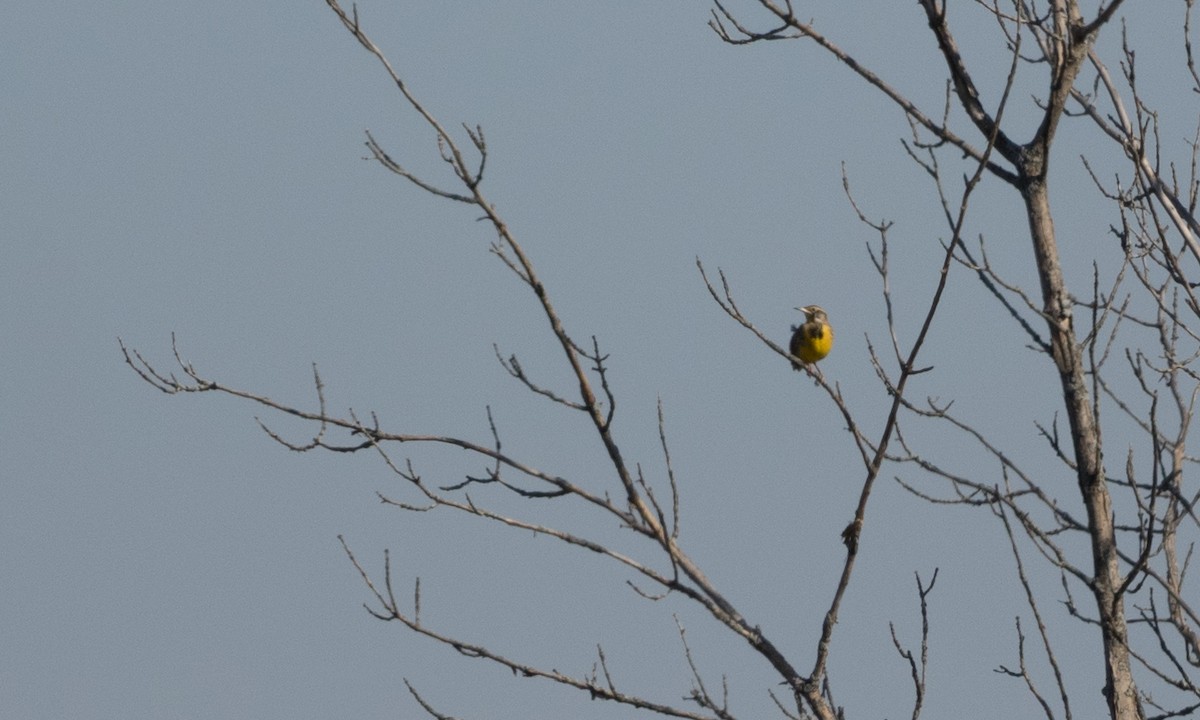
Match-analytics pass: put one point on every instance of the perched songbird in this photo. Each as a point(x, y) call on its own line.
point(814, 339)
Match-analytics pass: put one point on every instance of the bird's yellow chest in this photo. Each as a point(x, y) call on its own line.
point(813, 341)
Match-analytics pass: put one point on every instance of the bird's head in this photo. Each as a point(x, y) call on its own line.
point(813, 313)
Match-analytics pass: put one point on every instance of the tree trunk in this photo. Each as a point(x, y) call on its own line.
point(1120, 691)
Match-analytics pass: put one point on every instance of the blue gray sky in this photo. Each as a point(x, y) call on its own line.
point(198, 169)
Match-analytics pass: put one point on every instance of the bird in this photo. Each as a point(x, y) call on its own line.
point(814, 339)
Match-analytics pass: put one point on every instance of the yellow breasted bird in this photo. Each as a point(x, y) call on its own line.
point(814, 339)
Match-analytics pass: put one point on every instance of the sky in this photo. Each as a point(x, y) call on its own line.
point(198, 170)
